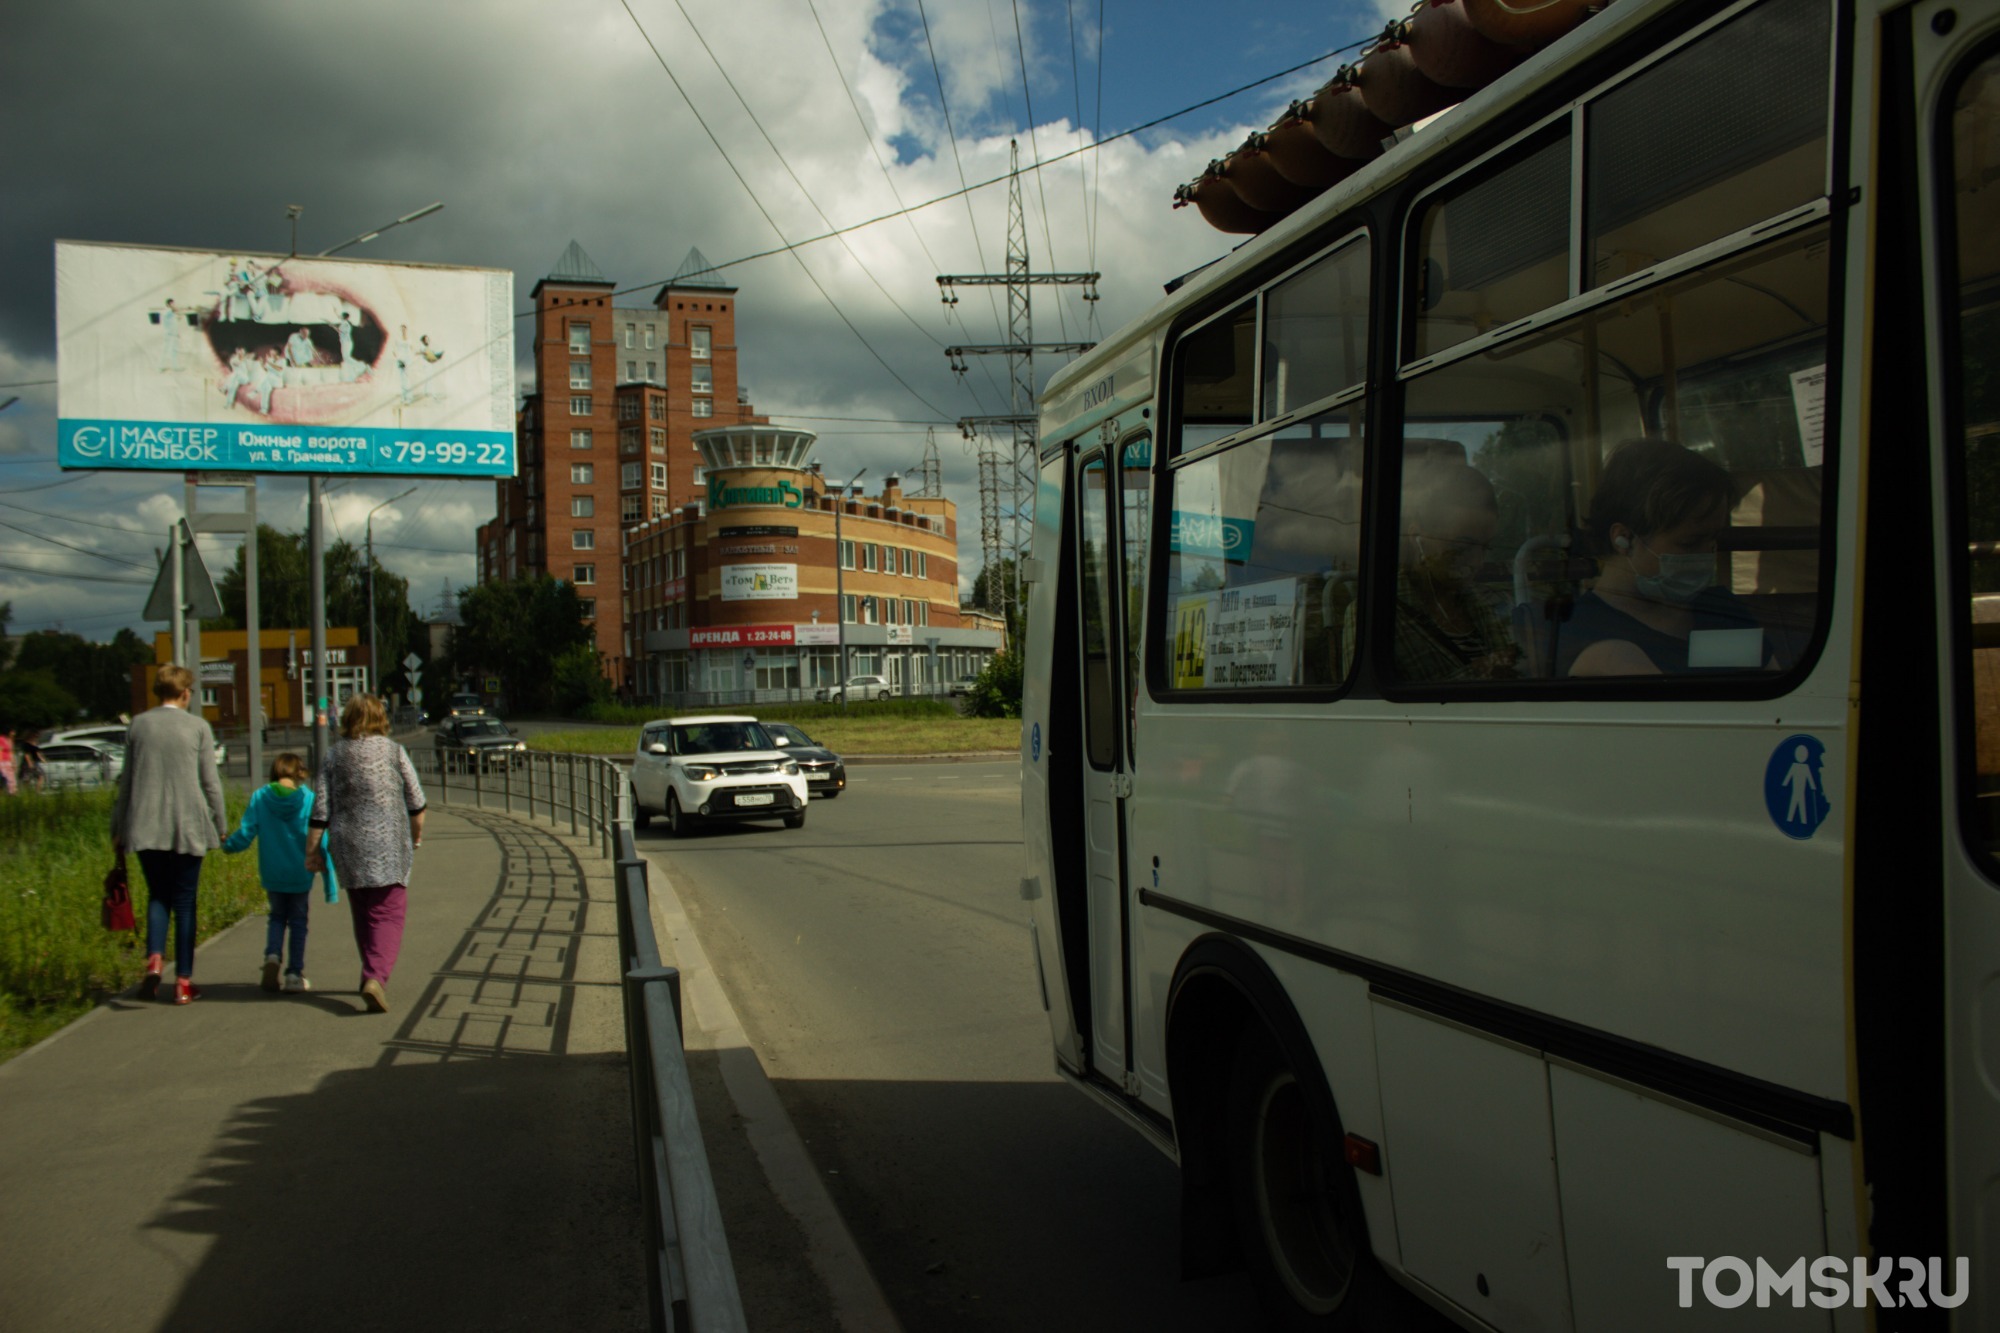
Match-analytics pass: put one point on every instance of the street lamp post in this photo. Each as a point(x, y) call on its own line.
point(840, 591)
point(374, 658)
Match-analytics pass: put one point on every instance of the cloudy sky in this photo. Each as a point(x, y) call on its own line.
point(195, 122)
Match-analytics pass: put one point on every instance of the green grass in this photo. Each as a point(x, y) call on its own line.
point(56, 958)
point(805, 714)
point(860, 733)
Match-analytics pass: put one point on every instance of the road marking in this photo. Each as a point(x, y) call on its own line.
point(858, 1303)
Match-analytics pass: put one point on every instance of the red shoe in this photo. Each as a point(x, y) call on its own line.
point(185, 991)
point(150, 987)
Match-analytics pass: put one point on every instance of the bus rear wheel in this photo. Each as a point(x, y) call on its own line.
point(1298, 1215)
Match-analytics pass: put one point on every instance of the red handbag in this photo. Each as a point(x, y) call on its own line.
point(118, 900)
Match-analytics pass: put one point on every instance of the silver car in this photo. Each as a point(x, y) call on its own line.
point(114, 734)
point(75, 765)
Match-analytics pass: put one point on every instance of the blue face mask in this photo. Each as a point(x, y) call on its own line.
point(1681, 579)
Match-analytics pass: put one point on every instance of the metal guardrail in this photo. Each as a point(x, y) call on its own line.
point(690, 1279)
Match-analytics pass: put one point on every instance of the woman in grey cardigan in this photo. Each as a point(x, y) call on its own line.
point(369, 811)
point(169, 811)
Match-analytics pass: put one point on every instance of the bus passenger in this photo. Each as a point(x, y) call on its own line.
point(1444, 630)
point(1656, 523)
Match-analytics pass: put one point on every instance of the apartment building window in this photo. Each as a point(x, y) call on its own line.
point(847, 555)
point(631, 507)
point(659, 476)
point(632, 370)
point(582, 474)
point(659, 505)
point(923, 613)
point(649, 337)
point(583, 539)
point(703, 407)
point(889, 611)
point(909, 563)
point(580, 438)
point(583, 574)
point(868, 557)
point(628, 407)
point(847, 608)
point(704, 379)
point(579, 374)
point(628, 440)
point(652, 372)
point(923, 565)
point(698, 343)
point(628, 335)
point(699, 473)
point(888, 560)
point(628, 476)
point(582, 506)
point(658, 436)
point(579, 339)
point(589, 605)
point(579, 407)
point(656, 407)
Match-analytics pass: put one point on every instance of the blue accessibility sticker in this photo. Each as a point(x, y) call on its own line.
point(1035, 743)
point(1795, 787)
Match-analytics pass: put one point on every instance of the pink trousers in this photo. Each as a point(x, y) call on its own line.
point(378, 928)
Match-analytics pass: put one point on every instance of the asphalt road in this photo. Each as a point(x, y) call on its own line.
point(878, 958)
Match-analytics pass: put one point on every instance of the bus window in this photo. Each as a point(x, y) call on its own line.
point(1696, 552)
point(1316, 331)
point(1495, 249)
point(1094, 551)
point(1215, 378)
point(1135, 509)
point(1973, 387)
point(1708, 141)
point(1261, 557)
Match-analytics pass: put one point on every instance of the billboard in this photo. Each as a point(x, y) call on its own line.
point(192, 359)
point(760, 583)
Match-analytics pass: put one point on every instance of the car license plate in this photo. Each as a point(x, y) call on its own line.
point(755, 798)
point(819, 777)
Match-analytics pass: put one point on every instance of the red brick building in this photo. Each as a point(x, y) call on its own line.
point(606, 438)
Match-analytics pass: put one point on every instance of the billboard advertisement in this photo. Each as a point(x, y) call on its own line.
point(760, 583)
point(192, 359)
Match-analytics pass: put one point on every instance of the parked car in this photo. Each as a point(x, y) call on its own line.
point(80, 764)
point(466, 743)
point(857, 687)
point(691, 769)
point(963, 685)
point(113, 733)
point(825, 774)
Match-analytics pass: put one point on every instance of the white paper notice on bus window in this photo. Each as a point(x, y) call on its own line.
point(1809, 402)
point(1739, 648)
point(1253, 635)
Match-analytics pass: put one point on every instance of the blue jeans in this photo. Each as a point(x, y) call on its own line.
point(171, 881)
point(288, 911)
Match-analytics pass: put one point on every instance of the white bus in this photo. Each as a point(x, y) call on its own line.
point(1511, 755)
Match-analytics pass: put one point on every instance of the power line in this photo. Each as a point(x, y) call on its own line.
point(85, 550)
point(86, 578)
point(1041, 194)
point(978, 247)
point(772, 222)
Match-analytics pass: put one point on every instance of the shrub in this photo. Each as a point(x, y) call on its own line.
point(997, 692)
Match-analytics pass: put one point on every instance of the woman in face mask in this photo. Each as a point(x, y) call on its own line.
point(1444, 629)
point(1656, 523)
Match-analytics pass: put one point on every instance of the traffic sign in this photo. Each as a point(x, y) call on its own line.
point(196, 586)
point(416, 694)
point(411, 662)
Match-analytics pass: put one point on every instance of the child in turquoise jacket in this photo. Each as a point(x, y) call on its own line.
point(279, 813)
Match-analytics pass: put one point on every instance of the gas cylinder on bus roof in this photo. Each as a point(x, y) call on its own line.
point(1258, 180)
point(1295, 150)
point(1342, 122)
point(1451, 52)
point(1528, 24)
point(1395, 91)
point(1220, 206)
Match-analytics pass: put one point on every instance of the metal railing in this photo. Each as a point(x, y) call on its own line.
point(690, 1279)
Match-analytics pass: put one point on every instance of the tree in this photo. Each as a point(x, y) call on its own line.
point(33, 700)
point(284, 593)
point(578, 680)
point(95, 676)
point(517, 630)
point(997, 692)
point(6, 644)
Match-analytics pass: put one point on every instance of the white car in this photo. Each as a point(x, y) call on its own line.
point(693, 769)
point(857, 687)
point(114, 734)
point(80, 765)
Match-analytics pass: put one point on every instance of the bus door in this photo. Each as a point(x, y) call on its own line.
point(1102, 602)
point(1957, 83)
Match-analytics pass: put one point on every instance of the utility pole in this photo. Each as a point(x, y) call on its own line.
point(840, 589)
point(1007, 486)
point(930, 472)
point(374, 658)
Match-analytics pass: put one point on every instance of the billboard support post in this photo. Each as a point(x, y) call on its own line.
point(242, 521)
point(316, 613)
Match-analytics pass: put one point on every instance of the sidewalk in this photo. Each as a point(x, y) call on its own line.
point(258, 1161)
